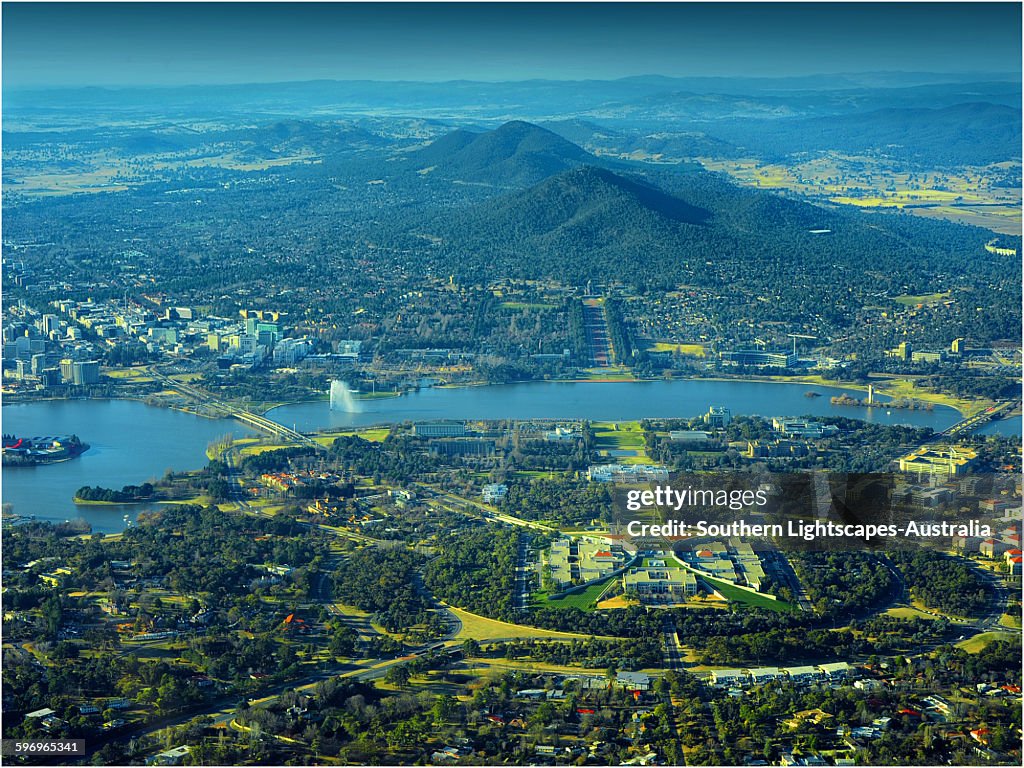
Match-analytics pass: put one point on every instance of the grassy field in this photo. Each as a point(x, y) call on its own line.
point(1012, 622)
point(619, 601)
point(906, 612)
point(1005, 220)
point(481, 628)
point(612, 373)
point(905, 197)
point(969, 195)
point(895, 387)
point(980, 642)
point(241, 443)
point(480, 667)
point(370, 435)
point(926, 298)
point(624, 436)
point(250, 446)
point(907, 387)
point(735, 594)
point(127, 374)
point(690, 350)
point(255, 450)
point(584, 599)
point(202, 500)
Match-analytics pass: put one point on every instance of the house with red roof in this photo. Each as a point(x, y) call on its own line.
point(992, 548)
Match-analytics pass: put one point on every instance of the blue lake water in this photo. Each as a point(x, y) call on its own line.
point(132, 442)
point(618, 401)
point(1007, 427)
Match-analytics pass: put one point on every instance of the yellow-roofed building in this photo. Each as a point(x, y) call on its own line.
point(942, 461)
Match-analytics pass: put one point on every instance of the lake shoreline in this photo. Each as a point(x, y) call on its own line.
point(963, 406)
point(130, 444)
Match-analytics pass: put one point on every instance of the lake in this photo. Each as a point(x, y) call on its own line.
point(129, 443)
point(132, 442)
point(1007, 427)
point(603, 401)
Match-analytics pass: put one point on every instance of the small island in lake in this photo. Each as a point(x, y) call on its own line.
point(29, 451)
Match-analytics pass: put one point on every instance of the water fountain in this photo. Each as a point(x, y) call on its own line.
point(342, 398)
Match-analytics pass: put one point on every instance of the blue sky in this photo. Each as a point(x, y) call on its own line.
point(55, 44)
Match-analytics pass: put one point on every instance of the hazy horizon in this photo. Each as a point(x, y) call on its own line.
point(1009, 76)
point(128, 45)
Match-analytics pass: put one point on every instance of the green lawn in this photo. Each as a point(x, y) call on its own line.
point(735, 594)
point(926, 298)
point(980, 641)
point(584, 599)
point(692, 350)
point(612, 373)
point(371, 435)
point(627, 437)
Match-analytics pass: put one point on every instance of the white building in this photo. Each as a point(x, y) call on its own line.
point(728, 678)
point(718, 416)
point(627, 473)
point(836, 670)
point(494, 492)
point(765, 675)
point(654, 582)
point(802, 428)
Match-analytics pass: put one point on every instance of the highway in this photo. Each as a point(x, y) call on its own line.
point(523, 582)
point(463, 506)
point(673, 653)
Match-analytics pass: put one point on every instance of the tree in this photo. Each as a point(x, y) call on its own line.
point(343, 641)
point(398, 675)
point(446, 709)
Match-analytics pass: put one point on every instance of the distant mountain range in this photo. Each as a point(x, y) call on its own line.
point(930, 120)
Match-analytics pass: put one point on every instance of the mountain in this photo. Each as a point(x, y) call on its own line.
point(592, 198)
point(517, 154)
point(584, 220)
point(668, 227)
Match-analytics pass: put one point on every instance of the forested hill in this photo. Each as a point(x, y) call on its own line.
point(584, 223)
point(516, 154)
point(666, 228)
